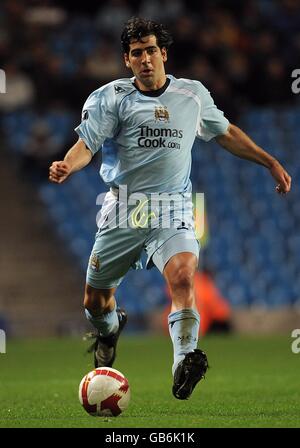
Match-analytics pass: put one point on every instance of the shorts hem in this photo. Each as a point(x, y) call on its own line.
point(96, 285)
point(161, 259)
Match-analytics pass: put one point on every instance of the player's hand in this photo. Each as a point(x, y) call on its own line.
point(282, 177)
point(59, 171)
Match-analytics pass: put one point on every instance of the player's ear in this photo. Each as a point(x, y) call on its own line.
point(164, 54)
point(126, 59)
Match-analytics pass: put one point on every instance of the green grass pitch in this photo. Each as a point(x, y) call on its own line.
point(252, 382)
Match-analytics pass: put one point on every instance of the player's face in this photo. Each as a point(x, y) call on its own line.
point(146, 61)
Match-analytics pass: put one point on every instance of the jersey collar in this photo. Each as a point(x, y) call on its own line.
point(153, 93)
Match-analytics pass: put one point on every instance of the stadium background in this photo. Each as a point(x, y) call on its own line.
point(54, 55)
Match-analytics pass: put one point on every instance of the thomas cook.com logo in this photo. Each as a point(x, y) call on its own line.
point(2, 81)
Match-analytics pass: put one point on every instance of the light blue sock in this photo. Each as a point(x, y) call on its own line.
point(106, 324)
point(183, 328)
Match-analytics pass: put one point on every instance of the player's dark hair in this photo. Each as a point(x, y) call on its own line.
point(137, 28)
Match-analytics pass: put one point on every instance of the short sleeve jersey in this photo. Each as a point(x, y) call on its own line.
point(146, 141)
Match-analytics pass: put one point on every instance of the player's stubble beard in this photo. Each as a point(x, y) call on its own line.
point(150, 82)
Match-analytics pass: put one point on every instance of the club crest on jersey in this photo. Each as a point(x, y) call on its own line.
point(95, 262)
point(161, 114)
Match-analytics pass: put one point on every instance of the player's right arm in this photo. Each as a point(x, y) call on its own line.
point(99, 121)
point(76, 158)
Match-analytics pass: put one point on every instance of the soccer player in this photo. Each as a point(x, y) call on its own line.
point(146, 126)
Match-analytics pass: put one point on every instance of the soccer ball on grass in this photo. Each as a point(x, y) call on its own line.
point(104, 392)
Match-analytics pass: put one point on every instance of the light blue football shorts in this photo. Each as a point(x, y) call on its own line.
point(124, 233)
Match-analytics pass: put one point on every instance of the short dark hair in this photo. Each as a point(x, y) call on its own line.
point(137, 28)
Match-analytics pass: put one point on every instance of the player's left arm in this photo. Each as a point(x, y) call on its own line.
point(241, 145)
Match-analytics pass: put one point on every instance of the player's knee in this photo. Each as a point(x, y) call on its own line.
point(182, 279)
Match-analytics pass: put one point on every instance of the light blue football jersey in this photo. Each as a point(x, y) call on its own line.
point(146, 141)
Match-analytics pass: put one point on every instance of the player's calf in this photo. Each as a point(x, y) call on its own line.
point(104, 347)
